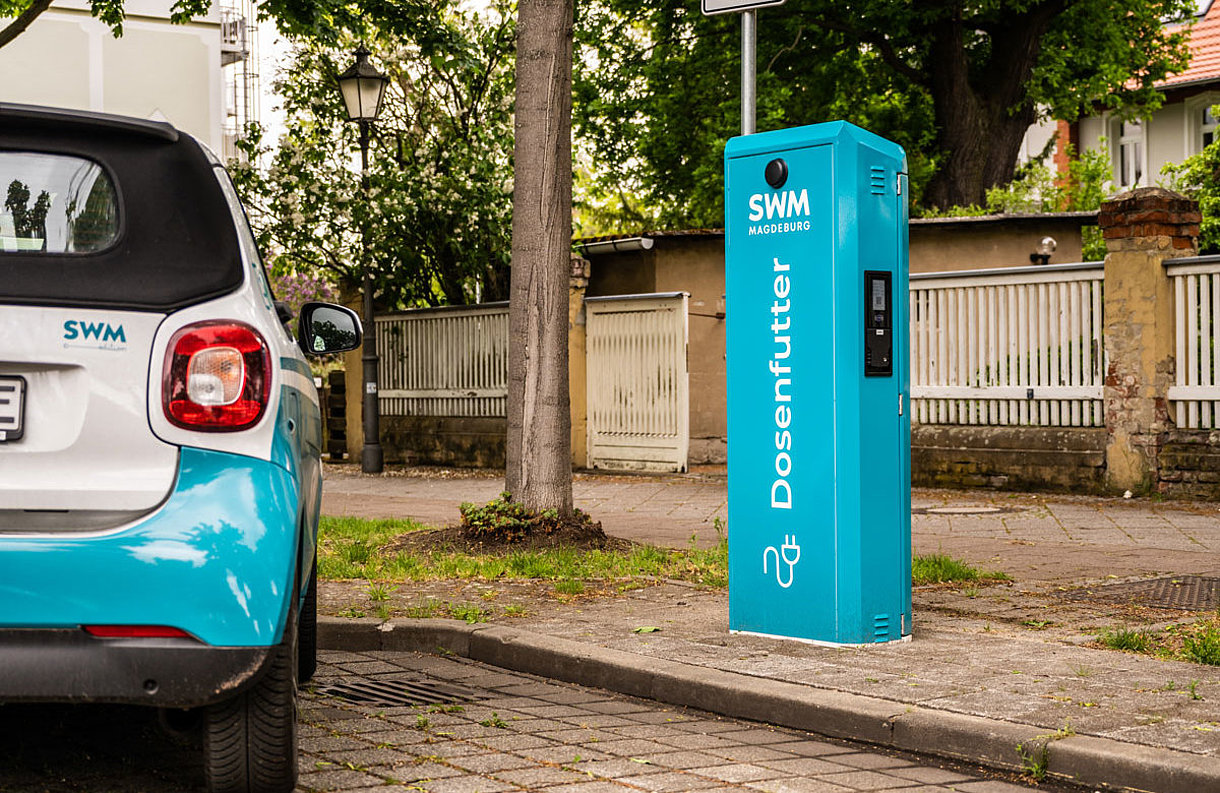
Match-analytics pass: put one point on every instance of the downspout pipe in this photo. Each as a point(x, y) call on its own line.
point(616, 246)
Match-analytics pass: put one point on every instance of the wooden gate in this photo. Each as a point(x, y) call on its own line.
point(638, 389)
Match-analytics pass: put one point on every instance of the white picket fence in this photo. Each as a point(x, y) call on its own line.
point(1195, 396)
point(1018, 346)
point(449, 361)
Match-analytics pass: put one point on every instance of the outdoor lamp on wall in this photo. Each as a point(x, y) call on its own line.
point(363, 87)
point(1042, 253)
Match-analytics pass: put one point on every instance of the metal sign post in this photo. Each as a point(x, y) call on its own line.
point(749, 65)
point(749, 49)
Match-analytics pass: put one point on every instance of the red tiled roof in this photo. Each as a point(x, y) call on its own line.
point(1204, 51)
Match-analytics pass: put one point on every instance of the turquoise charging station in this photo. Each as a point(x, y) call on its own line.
point(818, 386)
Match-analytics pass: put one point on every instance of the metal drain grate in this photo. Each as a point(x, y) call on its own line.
point(1186, 592)
point(396, 692)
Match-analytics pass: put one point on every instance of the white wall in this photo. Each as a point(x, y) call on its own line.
point(1171, 134)
point(156, 70)
point(1036, 138)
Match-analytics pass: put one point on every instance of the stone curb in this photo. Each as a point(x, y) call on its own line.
point(1087, 760)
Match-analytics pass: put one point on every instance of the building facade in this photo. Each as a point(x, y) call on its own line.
point(1140, 148)
point(192, 75)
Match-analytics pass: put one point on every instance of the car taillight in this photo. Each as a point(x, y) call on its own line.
point(217, 377)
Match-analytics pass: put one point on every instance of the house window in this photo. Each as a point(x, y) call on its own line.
point(1207, 125)
point(1130, 153)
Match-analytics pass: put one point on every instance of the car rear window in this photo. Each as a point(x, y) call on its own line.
point(106, 212)
point(55, 204)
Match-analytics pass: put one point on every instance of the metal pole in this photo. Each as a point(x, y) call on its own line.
point(749, 57)
point(370, 455)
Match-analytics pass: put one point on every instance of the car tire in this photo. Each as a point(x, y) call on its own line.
point(250, 741)
point(307, 631)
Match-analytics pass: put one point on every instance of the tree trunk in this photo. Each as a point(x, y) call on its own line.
point(982, 114)
point(539, 471)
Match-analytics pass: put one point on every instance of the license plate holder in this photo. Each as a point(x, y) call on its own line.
point(12, 408)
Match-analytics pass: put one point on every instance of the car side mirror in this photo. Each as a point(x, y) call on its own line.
point(325, 328)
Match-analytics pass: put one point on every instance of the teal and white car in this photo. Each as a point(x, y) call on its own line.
point(160, 441)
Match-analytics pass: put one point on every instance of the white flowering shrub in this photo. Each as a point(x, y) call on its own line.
point(436, 219)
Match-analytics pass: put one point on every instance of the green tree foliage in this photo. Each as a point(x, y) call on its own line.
point(437, 214)
point(1198, 176)
point(1038, 188)
point(955, 83)
point(656, 97)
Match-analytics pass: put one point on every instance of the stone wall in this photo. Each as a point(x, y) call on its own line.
point(1009, 458)
point(457, 441)
point(1190, 464)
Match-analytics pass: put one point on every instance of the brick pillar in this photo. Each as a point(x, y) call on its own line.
point(1142, 229)
point(578, 282)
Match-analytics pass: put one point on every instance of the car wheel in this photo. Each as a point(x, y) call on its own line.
point(250, 741)
point(307, 632)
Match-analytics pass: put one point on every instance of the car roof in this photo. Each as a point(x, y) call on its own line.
point(64, 117)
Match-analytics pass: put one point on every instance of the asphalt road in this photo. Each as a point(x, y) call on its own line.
point(512, 732)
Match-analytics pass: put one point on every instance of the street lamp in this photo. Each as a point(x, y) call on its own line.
point(363, 87)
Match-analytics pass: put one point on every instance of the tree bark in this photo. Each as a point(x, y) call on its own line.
point(539, 455)
point(982, 114)
point(15, 28)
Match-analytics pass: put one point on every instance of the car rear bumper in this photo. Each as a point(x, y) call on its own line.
point(69, 665)
point(217, 560)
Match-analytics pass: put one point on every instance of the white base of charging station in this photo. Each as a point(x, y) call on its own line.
point(819, 642)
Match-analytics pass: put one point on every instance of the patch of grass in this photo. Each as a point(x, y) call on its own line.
point(570, 587)
point(1196, 642)
point(939, 568)
point(494, 720)
point(514, 610)
point(425, 609)
point(1202, 646)
point(347, 546)
point(469, 612)
point(1035, 758)
point(350, 548)
point(380, 593)
point(1128, 640)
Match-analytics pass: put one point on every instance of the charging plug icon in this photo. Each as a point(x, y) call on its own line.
point(790, 553)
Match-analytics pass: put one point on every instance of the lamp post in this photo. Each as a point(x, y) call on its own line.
point(363, 87)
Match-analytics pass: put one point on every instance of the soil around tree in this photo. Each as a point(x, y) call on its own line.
point(571, 533)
